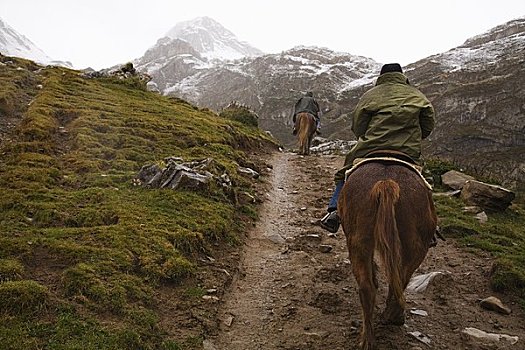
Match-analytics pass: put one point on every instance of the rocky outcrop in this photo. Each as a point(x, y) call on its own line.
point(491, 198)
point(196, 175)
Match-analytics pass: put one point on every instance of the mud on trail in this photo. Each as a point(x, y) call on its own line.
point(295, 290)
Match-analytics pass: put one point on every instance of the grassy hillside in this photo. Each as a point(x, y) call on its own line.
point(87, 259)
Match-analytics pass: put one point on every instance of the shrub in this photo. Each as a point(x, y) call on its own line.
point(240, 114)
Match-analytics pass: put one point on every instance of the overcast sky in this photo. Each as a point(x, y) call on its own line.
point(102, 33)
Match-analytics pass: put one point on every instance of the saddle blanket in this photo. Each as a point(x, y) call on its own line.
point(416, 168)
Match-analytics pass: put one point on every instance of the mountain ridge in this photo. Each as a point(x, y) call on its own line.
point(271, 83)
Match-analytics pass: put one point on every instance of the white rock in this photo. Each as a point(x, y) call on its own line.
point(482, 217)
point(479, 334)
point(419, 312)
point(420, 283)
point(421, 337)
point(208, 345)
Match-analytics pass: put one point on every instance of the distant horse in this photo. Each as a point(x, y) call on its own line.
point(305, 126)
point(385, 207)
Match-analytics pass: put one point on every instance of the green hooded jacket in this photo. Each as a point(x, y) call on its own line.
point(393, 115)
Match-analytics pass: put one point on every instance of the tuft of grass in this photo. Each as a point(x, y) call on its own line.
point(10, 270)
point(23, 297)
point(507, 276)
point(195, 292)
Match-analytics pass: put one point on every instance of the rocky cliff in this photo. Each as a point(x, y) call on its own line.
point(479, 95)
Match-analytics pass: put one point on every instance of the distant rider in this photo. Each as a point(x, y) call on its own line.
point(308, 104)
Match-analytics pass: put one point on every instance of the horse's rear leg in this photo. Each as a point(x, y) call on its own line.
point(364, 271)
point(395, 310)
point(309, 145)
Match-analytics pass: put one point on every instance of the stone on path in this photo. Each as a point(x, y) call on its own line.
point(494, 304)
point(492, 337)
point(420, 283)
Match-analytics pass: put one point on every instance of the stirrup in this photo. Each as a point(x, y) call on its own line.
point(330, 222)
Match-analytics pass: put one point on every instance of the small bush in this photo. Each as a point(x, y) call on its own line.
point(241, 114)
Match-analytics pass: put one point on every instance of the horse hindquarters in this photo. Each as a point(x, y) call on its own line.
point(357, 222)
point(370, 224)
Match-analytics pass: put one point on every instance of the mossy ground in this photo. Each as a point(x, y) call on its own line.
point(84, 253)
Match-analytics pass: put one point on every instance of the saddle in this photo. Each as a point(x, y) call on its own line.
point(389, 156)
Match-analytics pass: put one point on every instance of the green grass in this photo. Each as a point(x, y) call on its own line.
point(84, 252)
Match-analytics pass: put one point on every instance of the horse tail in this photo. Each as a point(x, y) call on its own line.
point(386, 194)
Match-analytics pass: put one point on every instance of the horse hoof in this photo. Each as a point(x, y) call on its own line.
point(366, 345)
point(394, 320)
point(391, 317)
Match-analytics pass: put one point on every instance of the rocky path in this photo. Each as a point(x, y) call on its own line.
point(295, 289)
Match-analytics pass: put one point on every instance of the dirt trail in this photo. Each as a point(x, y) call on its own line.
point(295, 289)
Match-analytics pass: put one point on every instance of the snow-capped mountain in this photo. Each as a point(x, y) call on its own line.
point(476, 88)
point(212, 40)
point(13, 43)
point(194, 61)
point(194, 45)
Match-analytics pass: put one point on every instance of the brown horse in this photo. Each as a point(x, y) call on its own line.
point(305, 126)
point(385, 207)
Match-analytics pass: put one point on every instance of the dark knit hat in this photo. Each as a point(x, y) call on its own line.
point(391, 67)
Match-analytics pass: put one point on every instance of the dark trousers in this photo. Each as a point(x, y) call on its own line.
point(332, 204)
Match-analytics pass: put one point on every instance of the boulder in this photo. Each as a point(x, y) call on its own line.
point(486, 337)
point(152, 86)
point(490, 198)
point(332, 146)
point(455, 179)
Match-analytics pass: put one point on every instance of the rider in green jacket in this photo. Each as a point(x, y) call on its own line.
point(392, 116)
